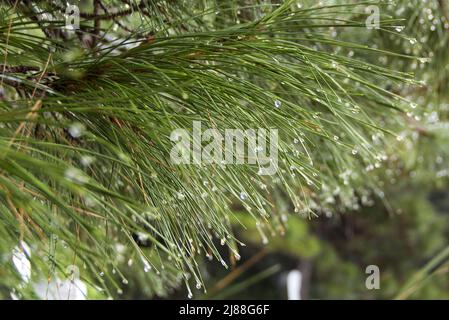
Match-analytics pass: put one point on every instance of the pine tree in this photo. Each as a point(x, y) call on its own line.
point(87, 114)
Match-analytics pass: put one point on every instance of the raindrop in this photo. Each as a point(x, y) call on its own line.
point(424, 60)
point(355, 110)
point(243, 195)
point(146, 268)
point(87, 160)
point(75, 175)
point(223, 263)
point(77, 129)
point(180, 196)
point(277, 104)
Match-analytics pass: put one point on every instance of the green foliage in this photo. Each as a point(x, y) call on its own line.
point(86, 119)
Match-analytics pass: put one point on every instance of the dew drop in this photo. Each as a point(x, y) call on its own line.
point(223, 263)
point(424, 60)
point(87, 160)
point(180, 196)
point(75, 175)
point(77, 129)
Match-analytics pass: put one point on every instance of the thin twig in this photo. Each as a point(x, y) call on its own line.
point(238, 271)
point(97, 23)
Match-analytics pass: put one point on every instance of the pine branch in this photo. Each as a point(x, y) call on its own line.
point(108, 186)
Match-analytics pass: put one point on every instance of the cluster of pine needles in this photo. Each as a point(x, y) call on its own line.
point(86, 117)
